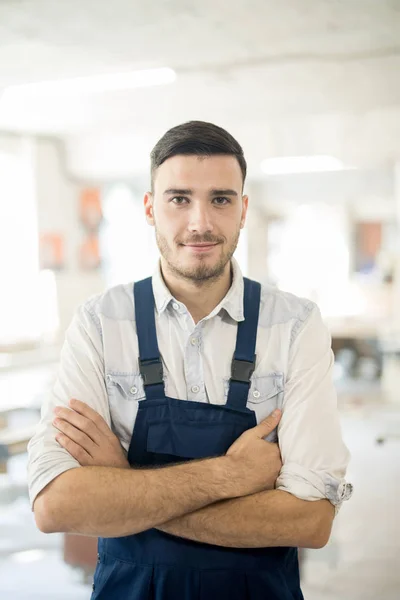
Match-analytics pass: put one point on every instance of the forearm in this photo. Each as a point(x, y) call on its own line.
point(269, 518)
point(113, 502)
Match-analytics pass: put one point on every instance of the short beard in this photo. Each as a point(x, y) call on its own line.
point(203, 274)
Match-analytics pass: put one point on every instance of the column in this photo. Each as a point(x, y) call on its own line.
point(257, 233)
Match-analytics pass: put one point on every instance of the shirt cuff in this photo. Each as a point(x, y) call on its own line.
point(40, 482)
point(307, 484)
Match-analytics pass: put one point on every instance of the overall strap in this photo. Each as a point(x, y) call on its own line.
point(244, 360)
point(150, 363)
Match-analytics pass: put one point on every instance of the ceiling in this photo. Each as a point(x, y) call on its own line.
point(287, 78)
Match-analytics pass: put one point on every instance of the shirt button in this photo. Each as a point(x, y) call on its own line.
point(193, 341)
point(195, 389)
point(109, 378)
point(133, 390)
point(256, 394)
point(175, 306)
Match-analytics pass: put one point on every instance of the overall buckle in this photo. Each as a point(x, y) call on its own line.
point(151, 371)
point(242, 370)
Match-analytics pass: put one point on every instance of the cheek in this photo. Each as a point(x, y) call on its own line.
point(170, 224)
point(233, 224)
point(168, 232)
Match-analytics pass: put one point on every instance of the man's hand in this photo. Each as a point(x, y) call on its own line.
point(259, 461)
point(87, 437)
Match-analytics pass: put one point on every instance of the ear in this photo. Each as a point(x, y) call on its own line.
point(148, 208)
point(245, 203)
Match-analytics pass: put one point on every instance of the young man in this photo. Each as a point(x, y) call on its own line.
point(225, 452)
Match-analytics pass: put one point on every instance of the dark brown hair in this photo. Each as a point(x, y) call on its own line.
point(196, 138)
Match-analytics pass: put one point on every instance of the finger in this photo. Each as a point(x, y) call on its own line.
point(74, 450)
point(268, 425)
point(74, 434)
point(87, 411)
point(80, 422)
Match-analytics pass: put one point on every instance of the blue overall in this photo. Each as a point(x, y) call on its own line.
point(158, 566)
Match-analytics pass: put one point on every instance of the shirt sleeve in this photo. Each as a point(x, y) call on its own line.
point(314, 455)
point(81, 376)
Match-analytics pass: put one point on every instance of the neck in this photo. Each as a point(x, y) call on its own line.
point(200, 298)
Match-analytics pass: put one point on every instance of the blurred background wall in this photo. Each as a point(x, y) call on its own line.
point(311, 89)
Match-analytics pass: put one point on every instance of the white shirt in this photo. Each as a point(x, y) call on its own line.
point(99, 366)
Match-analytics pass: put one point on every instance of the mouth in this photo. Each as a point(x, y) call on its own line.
point(200, 248)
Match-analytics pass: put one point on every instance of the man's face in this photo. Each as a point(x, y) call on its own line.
point(197, 209)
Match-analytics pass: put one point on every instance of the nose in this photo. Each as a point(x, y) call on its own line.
point(200, 221)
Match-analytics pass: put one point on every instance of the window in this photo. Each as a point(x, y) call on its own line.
point(19, 266)
point(309, 254)
point(128, 245)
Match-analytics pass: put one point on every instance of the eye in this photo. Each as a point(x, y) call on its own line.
point(221, 201)
point(179, 200)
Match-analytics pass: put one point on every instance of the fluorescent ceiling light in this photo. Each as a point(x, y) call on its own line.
point(98, 83)
point(286, 165)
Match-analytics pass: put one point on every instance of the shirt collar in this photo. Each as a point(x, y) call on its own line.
point(232, 302)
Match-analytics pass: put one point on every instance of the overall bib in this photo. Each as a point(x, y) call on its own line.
point(158, 566)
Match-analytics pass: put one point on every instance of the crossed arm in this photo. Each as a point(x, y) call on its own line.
point(267, 518)
point(270, 518)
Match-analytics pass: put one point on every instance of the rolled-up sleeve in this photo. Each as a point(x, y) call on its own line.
point(81, 376)
point(314, 455)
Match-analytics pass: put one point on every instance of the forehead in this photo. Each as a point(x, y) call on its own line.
point(199, 172)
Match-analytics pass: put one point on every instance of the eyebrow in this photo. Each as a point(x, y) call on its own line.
point(188, 192)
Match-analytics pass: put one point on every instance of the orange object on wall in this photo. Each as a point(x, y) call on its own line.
point(370, 238)
point(90, 253)
point(51, 251)
point(368, 244)
point(91, 213)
